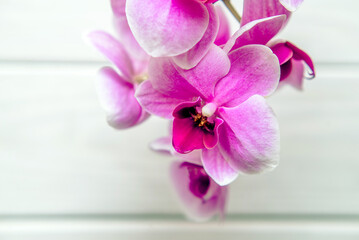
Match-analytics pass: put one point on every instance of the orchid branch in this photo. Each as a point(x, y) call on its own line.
point(232, 10)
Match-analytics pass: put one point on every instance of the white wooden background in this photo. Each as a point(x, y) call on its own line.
point(64, 174)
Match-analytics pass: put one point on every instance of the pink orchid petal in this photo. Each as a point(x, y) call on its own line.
point(116, 96)
point(173, 81)
point(119, 121)
point(139, 57)
point(256, 32)
point(217, 167)
point(222, 201)
point(282, 51)
point(167, 28)
point(299, 54)
point(118, 8)
point(192, 57)
point(285, 70)
point(255, 70)
point(166, 79)
point(192, 157)
point(114, 51)
point(197, 208)
point(214, 66)
point(295, 76)
point(291, 5)
point(164, 144)
point(224, 31)
point(155, 102)
point(140, 66)
point(257, 9)
point(249, 140)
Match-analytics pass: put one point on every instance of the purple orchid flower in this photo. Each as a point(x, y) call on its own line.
point(201, 197)
point(218, 107)
point(138, 55)
point(183, 29)
point(116, 91)
point(261, 29)
point(292, 60)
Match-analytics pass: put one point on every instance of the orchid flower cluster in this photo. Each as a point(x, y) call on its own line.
point(177, 59)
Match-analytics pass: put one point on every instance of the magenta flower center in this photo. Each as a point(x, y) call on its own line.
point(194, 126)
point(199, 180)
point(198, 119)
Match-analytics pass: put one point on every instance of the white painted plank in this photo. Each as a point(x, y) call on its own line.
point(48, 30)
point(58, 156)
point(42, 30)
point(161, 229)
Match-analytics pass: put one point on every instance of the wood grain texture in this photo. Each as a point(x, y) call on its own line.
point(158, 230)
point(58, 156)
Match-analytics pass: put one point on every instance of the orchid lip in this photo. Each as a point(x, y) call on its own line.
point(192, 130)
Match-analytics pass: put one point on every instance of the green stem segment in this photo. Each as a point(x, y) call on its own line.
point(232, 10)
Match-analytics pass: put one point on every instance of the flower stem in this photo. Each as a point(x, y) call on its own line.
point(232, 10)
